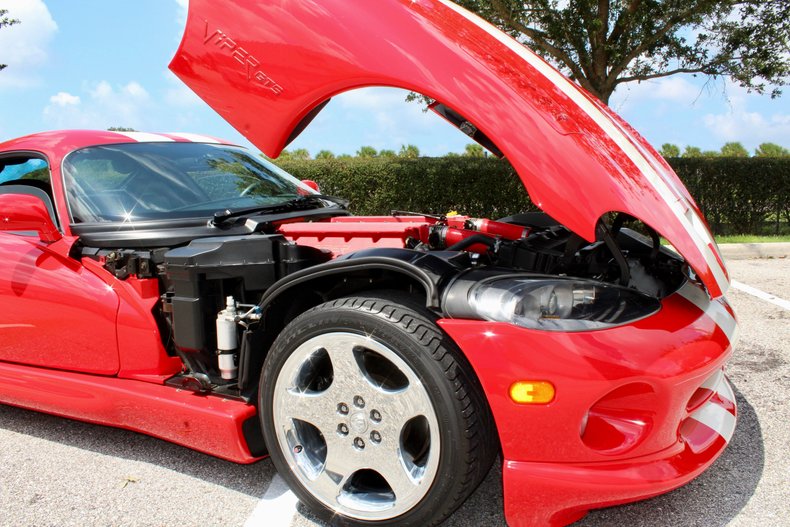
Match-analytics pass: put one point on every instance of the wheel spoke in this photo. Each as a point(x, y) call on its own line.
point(345, 368)
point(310, 407)
point(338, 468)
point(403, 405)
point(392, 469)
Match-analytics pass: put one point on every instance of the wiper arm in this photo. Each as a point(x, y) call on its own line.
point(222, 216)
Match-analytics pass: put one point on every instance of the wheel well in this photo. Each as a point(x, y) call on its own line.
point(305, 295)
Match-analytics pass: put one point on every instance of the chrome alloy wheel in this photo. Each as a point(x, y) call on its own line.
point(356, 426)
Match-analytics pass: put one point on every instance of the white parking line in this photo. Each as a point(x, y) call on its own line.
point(277, 508)
point(768, 297)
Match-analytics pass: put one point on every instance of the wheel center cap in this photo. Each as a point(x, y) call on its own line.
point(358, 422)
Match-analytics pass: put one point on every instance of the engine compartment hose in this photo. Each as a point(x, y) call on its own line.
point(472, 240)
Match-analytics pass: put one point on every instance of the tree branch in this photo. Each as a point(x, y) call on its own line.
point(671, 23)
point(649, 76)
point(620, 24)
point(540, 41)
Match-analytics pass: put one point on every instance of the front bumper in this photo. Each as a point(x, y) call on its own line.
point(639, 409)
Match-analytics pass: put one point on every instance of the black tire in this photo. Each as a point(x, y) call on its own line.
point(466, 433)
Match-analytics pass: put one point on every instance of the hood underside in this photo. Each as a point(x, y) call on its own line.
point(266, 66)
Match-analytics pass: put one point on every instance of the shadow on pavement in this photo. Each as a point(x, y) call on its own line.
point(714, 498)
point(247, 479)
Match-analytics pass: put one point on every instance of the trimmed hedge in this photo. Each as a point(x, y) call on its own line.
point(737, 195)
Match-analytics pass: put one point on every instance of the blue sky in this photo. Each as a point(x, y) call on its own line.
point(100, 63)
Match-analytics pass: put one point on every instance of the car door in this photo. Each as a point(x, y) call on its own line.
point(53, 312)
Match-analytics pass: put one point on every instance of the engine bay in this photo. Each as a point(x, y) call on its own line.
point(211, 311)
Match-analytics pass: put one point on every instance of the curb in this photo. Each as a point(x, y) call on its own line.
point(746, 251)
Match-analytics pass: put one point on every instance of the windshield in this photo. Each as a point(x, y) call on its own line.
point(153, 181)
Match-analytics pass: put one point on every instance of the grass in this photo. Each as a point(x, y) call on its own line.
point(750, 238)
point(744, 238)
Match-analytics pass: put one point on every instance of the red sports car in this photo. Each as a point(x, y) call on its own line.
point(183, 287)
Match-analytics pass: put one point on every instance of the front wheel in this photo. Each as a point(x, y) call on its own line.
point(372, 415)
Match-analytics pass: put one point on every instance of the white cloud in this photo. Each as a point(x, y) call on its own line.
point(103, 107)
point(749, 127)
point(64, 99)
point(740, 121)
point(675, 90)
point(178, 94)
point(183, 8)
point(25, 46)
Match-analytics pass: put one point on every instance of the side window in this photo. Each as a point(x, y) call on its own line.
point(28, 175)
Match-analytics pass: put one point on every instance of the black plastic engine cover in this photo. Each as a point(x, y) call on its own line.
point(257, 260)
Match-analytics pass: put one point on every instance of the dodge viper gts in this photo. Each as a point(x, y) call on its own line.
point(180, 286)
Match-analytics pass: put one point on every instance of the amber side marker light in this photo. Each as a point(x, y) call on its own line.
point(532, 392)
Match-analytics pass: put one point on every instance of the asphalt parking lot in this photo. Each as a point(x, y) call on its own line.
point(57, 472)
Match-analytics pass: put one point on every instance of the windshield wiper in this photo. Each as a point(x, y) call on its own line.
point(222, 216)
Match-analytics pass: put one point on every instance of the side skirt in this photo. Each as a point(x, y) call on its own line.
point(205, 423)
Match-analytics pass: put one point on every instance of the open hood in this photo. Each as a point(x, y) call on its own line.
point(267, 66)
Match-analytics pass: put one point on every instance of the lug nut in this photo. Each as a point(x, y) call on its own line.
point(375, 416)
point(342, 429)
point(298, 449)
point(359, 443)
point(342, 409)
point(359, 402)
point(375, 436)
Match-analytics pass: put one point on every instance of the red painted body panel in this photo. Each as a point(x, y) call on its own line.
point(142, 355)
point(27, 213)
point(644, 374)
point(672, 352)
point(208, 424)
point(556, 494)
point(282, 59)
point(55, 313)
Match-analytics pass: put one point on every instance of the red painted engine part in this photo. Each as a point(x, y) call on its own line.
point(460, 228)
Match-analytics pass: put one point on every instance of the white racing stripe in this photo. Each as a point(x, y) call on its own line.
point(685, 214)
point(716, 418)
point(762, 295)
point(724, 390)
point(277, 508)
point(712, 383)
point(145, 137)
point(713, 308)
point(195, 138)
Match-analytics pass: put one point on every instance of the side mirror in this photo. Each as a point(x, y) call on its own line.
point(312, 184)
point(25, 212)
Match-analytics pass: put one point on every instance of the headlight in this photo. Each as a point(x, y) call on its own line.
point(559, 304)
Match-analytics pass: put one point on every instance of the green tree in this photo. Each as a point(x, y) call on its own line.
point(344, 156)
point(389, 154)
point(734, 150)
point(474, 150)
point(669, 150)
point(604, 43)
point(5, 21)
point(325, 154)
point(367, 151)
point(692, 151)
point(300, 154)
point(409, 151)
point(771, 150)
